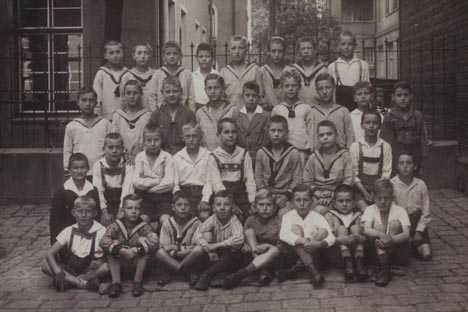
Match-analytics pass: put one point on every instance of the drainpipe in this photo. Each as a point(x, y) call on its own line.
point(233, 16)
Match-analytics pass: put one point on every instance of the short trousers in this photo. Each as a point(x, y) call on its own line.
point(155, 205)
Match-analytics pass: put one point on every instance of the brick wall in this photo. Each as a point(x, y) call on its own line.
point(434, 58)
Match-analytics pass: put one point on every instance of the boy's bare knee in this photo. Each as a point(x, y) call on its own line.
point(395, 227)
point(380, 228)
point(46, 269)
point(163, 218)
point(274, 251)
point(297, 229)
point(203, 215)
point(355, 229)
point(161, 253)
point(320, 235)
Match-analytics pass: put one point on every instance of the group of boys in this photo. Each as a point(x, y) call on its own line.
point(289, 179)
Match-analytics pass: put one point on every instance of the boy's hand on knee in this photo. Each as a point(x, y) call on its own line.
point(129, 253)
point(386, 240)
point(213, 256)
point(95, 264)
point(261, 249)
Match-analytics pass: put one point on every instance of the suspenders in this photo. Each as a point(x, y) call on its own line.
point(371, 160)
point(232, 167)
point(112, 171)
point(338, 79)
point(91, 236)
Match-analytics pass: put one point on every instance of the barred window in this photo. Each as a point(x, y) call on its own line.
point(50, 54)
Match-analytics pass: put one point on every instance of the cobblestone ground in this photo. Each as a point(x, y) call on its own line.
point(441, 285)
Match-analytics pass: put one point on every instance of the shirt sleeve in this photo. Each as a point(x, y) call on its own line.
point(191, 94)
point(98, 183)
point(365, 71)
point(167, 182)
point(207, 188)
point(387, 131)
point(349, 130)
point(249, 178)
point(348, 170)
point(97, 87)
point(310, 125)
point(286, 235)
point(205, 227)
point(249, 223)
point(214, 176)
point(387, 161)
point(152, 88)
point(425, 215)
point(236, 239)
point(404, 218)
point(297, 171)
point(176, 161)
point(309, 172)
point(64, 236)
point(150, 239)
point(108, 241)
point(368, 215)
point(354, 152)
point(127, 186)
point(67, 146)
point(165, 237)
point(259, 170)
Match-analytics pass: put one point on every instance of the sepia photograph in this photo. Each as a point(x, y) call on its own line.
point(234, 155)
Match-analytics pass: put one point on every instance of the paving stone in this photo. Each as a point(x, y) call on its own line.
point(416, 298)
point(255, 306)
point(340, 302)
point(302, 303)
point(176, 302)
point(395, 309)
point(290, 295)
point(227, 299)
point(214, 308)
point(101, 303)
point(24, 304)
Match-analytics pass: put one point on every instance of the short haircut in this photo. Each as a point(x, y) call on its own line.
point(206, 47)
point(223, 121)
point(265, 193)
point(300, 188)
point(153, 128)
point(131, 197)
point(371, 112)
point(290, 73)
point(251, 85)
point(171, 44)
point(113, 136)
point(78, 157)
point(181, 194)
point(306, 39)
point(171, 81)
point(239, 38)
point(84, 200)
point(278, 40)
point(216, 77)
point(402, 85)
point(191, 125)
point(222, 194)
point(279, 120)
point(363, 85)
point(382, 185)
point(111, 43)
point(133, 82)
point(143, 44)
point(344, 188)
point(86, 90)
point(327, 124)
point(324, 77)
point(347, 33)
point(405, 152)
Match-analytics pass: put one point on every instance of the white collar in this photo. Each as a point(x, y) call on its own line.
point(201, 153)
point(377, 143)
point(197, 72)
point(258, 110)
point(70, 185)
point(340, 60)
point(96, 227)
point(356, 112)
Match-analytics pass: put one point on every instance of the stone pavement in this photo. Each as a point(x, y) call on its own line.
point(441, 285)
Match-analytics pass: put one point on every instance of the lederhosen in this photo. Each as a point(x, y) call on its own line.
point(367, 180)
point(74, 264)
point(112, 194)
point(345, 94)
point(326, 171)
point(237, 188)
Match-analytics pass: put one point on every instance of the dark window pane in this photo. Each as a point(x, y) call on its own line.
point(67, 18)
point(67, 3)
point(61, 63)
point(33, 4)
point(65, 102)
point(33, 18)
point(61, 82)
point(37, 102)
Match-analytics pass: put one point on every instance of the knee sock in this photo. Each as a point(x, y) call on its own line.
point(383, 259)
point(225, 262)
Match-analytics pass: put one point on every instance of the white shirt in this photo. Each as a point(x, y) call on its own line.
point(79, 138)
point(81, 245)
point(396, 213)
point(310, 225)
point(161, 173)
point(131, 129)
point(350, 72)
point(188, 172)
point(356, 116)
point(374, 152)
point(199, 86)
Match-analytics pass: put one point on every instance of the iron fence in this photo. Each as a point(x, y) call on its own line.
point(33, 115)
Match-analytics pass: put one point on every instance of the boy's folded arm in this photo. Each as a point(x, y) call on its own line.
point(51, 257)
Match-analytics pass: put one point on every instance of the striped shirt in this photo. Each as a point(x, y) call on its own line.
point(232, 233)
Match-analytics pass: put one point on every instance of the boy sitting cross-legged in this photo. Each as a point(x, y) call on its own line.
point(411, 194)
point(177, 251)
point(84, 261)
point(345, 221)
point(262, 237)
point(128, 242)
point(388, 227)
point(221, 237)
point(307, 232)
point(278, 165)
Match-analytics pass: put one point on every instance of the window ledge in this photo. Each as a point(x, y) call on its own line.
point(28, 119)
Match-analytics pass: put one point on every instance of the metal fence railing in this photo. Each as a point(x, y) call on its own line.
point(38, 101)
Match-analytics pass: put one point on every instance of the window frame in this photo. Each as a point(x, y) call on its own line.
point(50, 32)
point(352, 20)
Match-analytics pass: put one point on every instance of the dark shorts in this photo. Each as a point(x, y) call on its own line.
point(241, 198)
point(345, 97)
point(399, 255)
point(414, 220)
point(155, 205)
point(76, 265)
